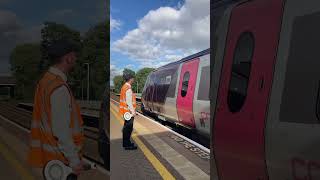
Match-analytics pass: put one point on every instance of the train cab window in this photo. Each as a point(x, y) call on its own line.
point(203, 93)
point(185, 84)
point(241, 68)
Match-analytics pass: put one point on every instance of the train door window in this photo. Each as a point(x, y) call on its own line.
point(241, 68)
point(185, 83)
point(203, 93)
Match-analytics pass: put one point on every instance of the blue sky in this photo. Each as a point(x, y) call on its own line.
point(148, 33)
point(23, 20)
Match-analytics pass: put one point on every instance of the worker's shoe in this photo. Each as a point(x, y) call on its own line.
point(131, 147)
point(128, 144)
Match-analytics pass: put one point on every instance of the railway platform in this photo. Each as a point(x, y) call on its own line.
point(161, 154)
point(14, 141)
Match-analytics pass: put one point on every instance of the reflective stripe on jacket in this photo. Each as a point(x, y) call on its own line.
point(44, 145)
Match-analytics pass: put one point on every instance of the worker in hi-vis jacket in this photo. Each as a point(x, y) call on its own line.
point(127, 105)
point(57, 125)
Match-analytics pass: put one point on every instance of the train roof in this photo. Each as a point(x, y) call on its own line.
point(219, 3)
point(188, 58)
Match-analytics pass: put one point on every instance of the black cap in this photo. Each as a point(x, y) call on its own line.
point(59, 48)
point(127, 76)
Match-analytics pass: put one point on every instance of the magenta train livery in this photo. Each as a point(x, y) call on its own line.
point(179, 92)
point(265, 87)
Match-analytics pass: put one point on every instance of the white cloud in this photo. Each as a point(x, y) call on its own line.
point(114, 71)
point(114, 24)
point(130, 66)
point(167, 34)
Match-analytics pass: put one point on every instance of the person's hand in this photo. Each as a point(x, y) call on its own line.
point(78, 168)
point(133, 113)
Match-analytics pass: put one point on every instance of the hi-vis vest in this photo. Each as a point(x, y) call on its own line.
point(123, 107)
point(44, 145)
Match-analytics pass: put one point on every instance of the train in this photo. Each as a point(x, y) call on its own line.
point(179, 93)
point(265, 91)
point(262, 106)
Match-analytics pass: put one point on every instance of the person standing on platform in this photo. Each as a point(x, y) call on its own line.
point(57, 125)
point(127, 105)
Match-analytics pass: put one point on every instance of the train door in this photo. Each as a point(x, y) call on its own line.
point(170, 107)
point(188, 77)
point(201, 103)
point(293, 129)
point(252, 40)
point(219, 39)
point(152, 91)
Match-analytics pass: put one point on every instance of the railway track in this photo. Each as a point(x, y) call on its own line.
point(204, 141)
point(23, 117)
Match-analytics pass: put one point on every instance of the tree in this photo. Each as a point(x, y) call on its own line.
point(24, 62)
point(118, 82)
point(52, 32)
point(141, 77)
point(95, 51)
point(129, 71)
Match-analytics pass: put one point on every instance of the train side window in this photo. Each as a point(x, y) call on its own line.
point(203, 93)
point(241, 68)
point(173, 81)
point(168, 79)
point(300, 97)
point(185, 83)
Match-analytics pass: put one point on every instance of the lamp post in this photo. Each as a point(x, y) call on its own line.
point(137, 86)
point(88, 84)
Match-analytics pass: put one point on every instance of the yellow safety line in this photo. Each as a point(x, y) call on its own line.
point(15, 163)
point(165, 174)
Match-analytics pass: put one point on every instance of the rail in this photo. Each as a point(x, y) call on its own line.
point(187, 133)
point(21, 115)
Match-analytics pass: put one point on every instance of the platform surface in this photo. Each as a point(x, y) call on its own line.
point(13, 154)
point(161, 153)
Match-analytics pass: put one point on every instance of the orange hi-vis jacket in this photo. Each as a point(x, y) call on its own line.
point(44, 145)
point(123, 106)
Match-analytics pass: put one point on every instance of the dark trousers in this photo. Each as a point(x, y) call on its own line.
point(127, 131)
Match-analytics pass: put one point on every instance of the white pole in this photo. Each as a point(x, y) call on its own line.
point(81, 89)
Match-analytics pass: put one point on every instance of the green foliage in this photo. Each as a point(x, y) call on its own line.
point(129, 71)
point(29, 61)
point(118, 81)
point(141, 77)
point(52, 32)
point(95, 51)
point(24, 62)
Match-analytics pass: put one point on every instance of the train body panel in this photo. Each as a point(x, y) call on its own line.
point(244, 90)
point(185, 95)
point(293, 124)
point(201, 101)
point(275, 132)
point(170, 107)
point(171, 92)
